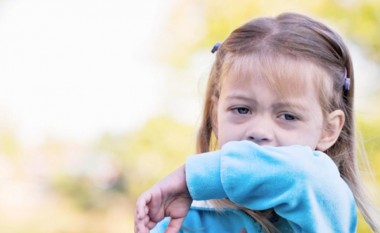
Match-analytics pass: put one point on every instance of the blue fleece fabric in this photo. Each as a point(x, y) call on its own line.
point(303, 187)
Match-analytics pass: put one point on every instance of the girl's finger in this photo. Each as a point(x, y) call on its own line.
point(151, 224)
point(141, 206)
point(174, 225)
point(143, 225)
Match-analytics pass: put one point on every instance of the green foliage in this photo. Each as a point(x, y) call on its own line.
point(370, 130)
point(9, 144)
point(197, 25)
point(154, 151)
point(79, 190)
point(360, 20)
point(141, 158)
point(362, 225)
point(117, 145)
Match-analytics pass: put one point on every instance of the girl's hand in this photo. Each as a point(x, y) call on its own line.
point(168, 198)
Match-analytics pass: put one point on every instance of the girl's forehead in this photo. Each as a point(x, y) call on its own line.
point(285, 75)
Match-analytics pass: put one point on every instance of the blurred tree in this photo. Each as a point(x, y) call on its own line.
point(78, 190)
point(141, 158)
point(370, 130)
point(9, 144)
point(151, 152)
point(195, 25)
point(360, 20)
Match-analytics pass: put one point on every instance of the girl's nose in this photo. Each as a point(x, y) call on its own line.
point(259, 131)
point(258, 139)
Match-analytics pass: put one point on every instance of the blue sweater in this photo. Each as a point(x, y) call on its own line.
point(303, 187)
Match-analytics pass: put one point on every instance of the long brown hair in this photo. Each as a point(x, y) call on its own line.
point(296, 37)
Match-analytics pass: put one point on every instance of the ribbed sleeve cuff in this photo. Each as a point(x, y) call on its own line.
point(203, 176)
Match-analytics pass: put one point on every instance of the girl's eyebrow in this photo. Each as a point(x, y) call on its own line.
point(239, 96)
point(295, 105)
point(291, 105)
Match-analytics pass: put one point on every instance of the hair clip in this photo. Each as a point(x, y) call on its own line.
point(216, 47)
point(346, 81)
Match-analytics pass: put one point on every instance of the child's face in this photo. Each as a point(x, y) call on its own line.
point(248, 109)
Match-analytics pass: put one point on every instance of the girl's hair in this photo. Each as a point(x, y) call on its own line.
point(297, 38)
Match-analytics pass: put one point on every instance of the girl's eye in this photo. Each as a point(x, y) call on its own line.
point(242, 110)
point(288, 117)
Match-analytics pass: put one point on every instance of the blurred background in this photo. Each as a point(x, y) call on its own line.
point(100, 99)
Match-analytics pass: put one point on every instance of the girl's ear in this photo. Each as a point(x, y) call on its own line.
point(332, 129)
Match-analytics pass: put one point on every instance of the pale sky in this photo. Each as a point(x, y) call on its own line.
point(76, 68)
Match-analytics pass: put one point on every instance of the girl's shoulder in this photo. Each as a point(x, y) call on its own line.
point(202, 217)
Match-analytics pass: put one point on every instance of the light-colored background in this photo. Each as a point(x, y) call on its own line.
point(99, 99)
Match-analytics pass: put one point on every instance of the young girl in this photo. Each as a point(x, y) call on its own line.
point(276, 144)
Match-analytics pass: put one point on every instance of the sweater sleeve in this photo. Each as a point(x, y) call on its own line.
point(301, 185)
